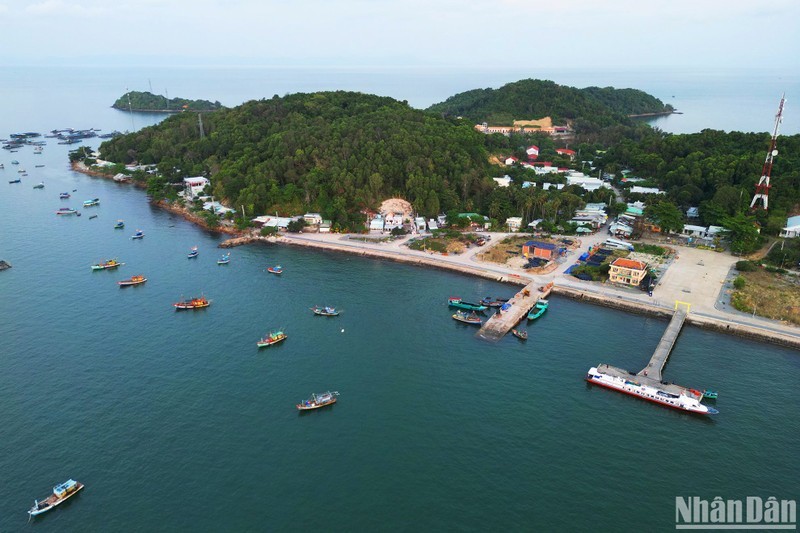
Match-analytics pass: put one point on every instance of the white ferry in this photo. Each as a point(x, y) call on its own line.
point(649, 389)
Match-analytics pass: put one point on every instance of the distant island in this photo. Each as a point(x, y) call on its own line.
point(144, 101)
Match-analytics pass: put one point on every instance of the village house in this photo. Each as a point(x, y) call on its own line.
point(509, 161)
point(792, 228)
point(532, 151)
point(505, 181)
point(194, 186)
point(542, 250)
point(645, 190)
point(567, 152)
point(627, 272)
point(514, 223)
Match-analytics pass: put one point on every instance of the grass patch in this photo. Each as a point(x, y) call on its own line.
point(445, 241)
point(651, 249)
point(770, 295)
point(499, 252)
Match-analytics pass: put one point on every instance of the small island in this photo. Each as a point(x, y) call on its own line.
point(144, 101)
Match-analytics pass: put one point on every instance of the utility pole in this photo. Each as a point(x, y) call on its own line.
point(200, 122)
point(762, 188)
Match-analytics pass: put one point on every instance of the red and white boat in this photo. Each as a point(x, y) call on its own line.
point(61, 493)
point(194, 303)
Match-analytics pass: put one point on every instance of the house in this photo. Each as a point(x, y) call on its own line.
point(376, 224)
point(534, 223)
point(325, 226)
point(646, 190)
point(556, 186)
point(627, 271)
point(567, 152)
point(476, 221)
point(514, 223)
point(586, 182)
point(194, 186)
point(433, 225)
point(266, 221)
point(313, 219)
point(510, 160)
point(697, 232)
point(543, 250)
point(392, 220)
point(792, 228)
point(216, 207)
point(693, 212)
point(526, 184)
point(419, 222)
point(620, 229)
point(505, 181)
point(532, 151)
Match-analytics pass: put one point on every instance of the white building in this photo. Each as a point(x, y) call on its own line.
point(505, 181)
point(514, 223)
point(376, 224)
point(646, 190)
point(313, 219)
point(532, 151)
point(510, 161)
point(792, 228)
point(586, 182)
point(556, 186)
point(419, 222)
point(693, 212)
point(194, 186)
point(216, 207)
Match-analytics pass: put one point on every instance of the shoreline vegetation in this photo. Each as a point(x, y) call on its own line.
point(147, 102)
point(656, 114)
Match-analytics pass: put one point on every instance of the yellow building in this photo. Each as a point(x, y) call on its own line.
point(627, 271)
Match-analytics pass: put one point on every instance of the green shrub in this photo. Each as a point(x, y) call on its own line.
point(746, 266)
point(739, 283)
point(268, 230)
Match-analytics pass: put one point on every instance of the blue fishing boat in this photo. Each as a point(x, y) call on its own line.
point(538, 310)
point(138, 235)
point(277, 269)
point(120, 224)
point(64, 195)
point(225, 259)
point(90, 203)
point(325, 311)
point(193, 253)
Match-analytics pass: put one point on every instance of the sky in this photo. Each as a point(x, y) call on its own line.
point(386, 33)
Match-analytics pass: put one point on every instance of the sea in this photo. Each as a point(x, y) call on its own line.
point(176, 421)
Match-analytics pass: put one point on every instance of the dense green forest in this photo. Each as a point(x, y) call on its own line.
point(715, 171)
point(147, 101)
point(534, 99)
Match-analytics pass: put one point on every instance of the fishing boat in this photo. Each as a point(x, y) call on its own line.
point(14, 162)
point(193, 253)
point(710, 394)
point(64, 195)
point(538, 310)
point(648, 389)
point(133, 280)
point(93, 216)
point(119, 225)
point(66, 211)
point(61, 493)
point(467, 318)
point(277, 269)
point(15, 181)
point(194, 303)
point(318, 400)
point(271, 338)
point(111, 263)
point(90, 203)
point(492, 302)
point(521, 334)
point(138, 235)
point(461, 304)
point(39, 186)
point(224, 260)
point(325, 311)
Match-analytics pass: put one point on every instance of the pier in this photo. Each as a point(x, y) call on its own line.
point(501, 322)
point(656, 365)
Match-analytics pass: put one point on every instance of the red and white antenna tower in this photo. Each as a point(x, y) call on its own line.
point(762, 187)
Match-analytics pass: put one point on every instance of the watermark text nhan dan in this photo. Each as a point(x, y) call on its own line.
point(752, 512)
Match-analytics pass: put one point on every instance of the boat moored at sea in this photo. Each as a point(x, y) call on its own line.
point(521, 334)
point(194, 303)
point(111, 263)
point(461, 304)
point(138, 235)
point(119, 225)
point(271, 338)
point(225, 259)
point(659, 392)
point(493, 302)
point(133, 280)
point(468, 318)
point(61, 493)
point(538, 309)
point(39, 186)
point(90, 203)
point(193, 253)
point(325, 310)
point(66, 211)
point(277, 269)
point(64, 195)
point(15, 181)
point(710, 394)
point(318, 400)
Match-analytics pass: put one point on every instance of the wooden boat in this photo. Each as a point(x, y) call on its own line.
point(111, 263)
point(491, 302)
point(138, 235)
point(194, 303)
point(93, 216)
point(119, 225)
point(710, 394)
point(193, 253)
point(225, 259)
point(277, 269)
point(318, 400)
point(90, 203)
point(271, 338)
point(538, 310)
point(39, 186)
point(325, 311)
point(15, 181)
point(520, 334)
point(467, 318)
point(61, 493)
point(66, 211)
point(461, 304)
point(133, 280)
point(64, 195)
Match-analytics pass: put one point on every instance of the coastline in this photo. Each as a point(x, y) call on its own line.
point(657, 114)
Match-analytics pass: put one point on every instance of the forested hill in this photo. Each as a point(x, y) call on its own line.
point(332, 152)
point(147, 101)
point(534, 99)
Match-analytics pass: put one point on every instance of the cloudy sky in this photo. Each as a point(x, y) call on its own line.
point(477, 33)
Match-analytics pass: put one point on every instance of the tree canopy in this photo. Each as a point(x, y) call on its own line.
point(147, 101)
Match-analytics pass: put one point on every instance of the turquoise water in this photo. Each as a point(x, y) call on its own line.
point(175, 421)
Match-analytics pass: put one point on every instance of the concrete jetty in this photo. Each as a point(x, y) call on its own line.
point(659, 359)
point(501, 322)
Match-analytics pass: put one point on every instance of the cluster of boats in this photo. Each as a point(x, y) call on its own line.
point(467, 312)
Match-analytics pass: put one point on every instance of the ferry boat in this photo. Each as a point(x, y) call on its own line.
point(138, 235)
point(325, 311)
point(277, 269)
point(194, 303)
point(66, 211)
point(271, 338)
point(133, 280)
point(461, 304)
point(193, 253)
point(111, 263)
point(649, 389)
point(120, 224)
point(64, 195)
point(318, 400)
point(90, 203)
point(225, 259)
point(538, 309)
point(521, 334)
point(61, 493)
point(467, 318)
